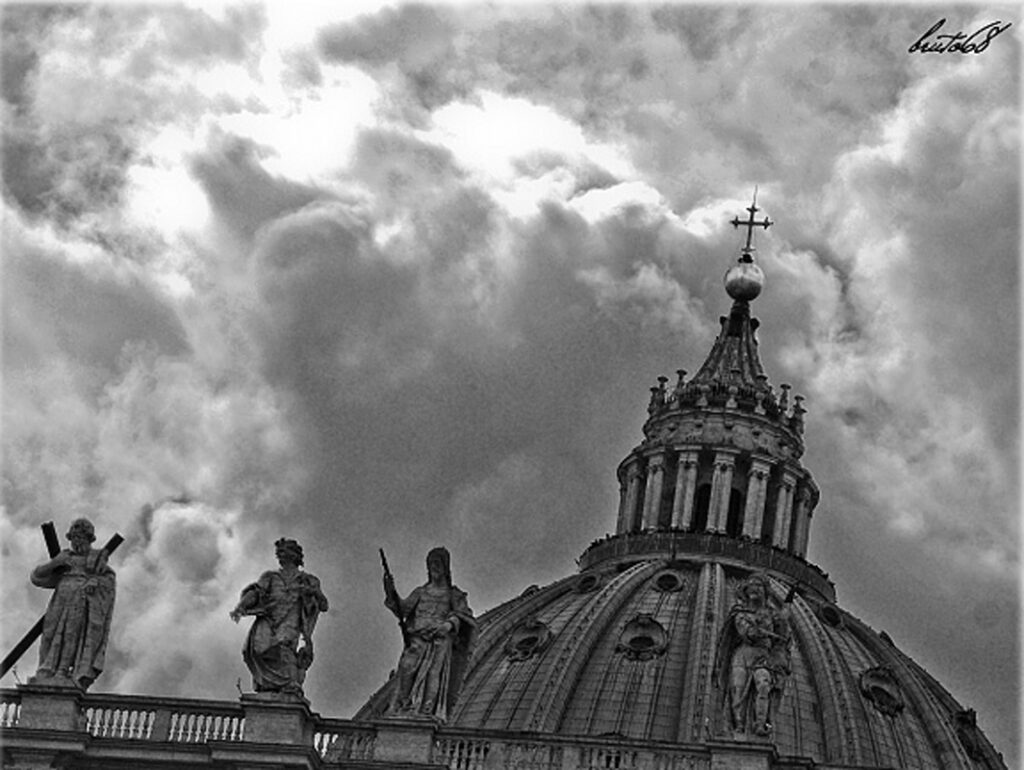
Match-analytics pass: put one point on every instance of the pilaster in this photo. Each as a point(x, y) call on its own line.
point(721, 487)
point(655, 484)
point(686, 485)
point(632, 495)
point(784, 510)
point(757, 490)
point(802, 512)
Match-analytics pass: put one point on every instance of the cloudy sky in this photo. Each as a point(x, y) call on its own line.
point(394, 276)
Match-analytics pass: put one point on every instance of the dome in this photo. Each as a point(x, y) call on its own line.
point(700, 620)
point(631, 646)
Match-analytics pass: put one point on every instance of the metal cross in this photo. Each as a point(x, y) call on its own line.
point(750, 224)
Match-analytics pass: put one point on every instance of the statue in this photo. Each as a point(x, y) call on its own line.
point(753, 658)
point(77, 621)
point(286, 603)
point(437, 628)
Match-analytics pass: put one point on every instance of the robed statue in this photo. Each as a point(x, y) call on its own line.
point(73, 642)
point(438, 628)
point(754, 658)
point(286, 603)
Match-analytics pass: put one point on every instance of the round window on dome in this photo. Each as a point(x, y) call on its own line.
point(668, 581)
point(528, 639)
point(642, 638)
point(830, 615)
point(881, 689)
point(588, 583)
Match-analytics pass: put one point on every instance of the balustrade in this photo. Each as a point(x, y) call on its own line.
point(337, 740)
point(10, 709)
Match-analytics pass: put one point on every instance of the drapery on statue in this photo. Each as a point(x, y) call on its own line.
point(286, 603)
point(753, 658)
point(438, 629)
point(77, 622)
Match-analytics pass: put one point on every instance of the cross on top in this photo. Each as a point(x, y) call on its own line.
point(750, 224)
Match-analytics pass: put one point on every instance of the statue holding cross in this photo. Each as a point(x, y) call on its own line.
point(73, 633)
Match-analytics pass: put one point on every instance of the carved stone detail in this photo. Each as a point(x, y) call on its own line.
point(643, 638)
point(528, 639)
point(880, 687)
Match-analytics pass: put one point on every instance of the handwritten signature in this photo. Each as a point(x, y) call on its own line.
point(960, 42)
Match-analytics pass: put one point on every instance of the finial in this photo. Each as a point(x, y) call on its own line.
point(743, 281)
point(750, 224)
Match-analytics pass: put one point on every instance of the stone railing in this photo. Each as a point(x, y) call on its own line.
point(10, 708)
point(339, 739)
point(477, 750)
point(703, 545)
point(109, 728)
point(162, 719)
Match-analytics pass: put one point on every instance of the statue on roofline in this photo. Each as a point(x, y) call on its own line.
point(73, 642)
point(286, 603)
point(437, 628)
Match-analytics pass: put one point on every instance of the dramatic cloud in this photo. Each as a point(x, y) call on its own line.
point(401, 276)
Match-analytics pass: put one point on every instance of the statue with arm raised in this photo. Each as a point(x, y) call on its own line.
point(286, 603)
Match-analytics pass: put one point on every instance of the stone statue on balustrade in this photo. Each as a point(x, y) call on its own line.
point(754, 658)
point(286, 603)
point(438, 629)
point(75, 628)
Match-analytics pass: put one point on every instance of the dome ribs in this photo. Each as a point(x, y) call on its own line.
point(941, 734)
point(698, 709)
point(663, 721)
point(489, 654)
point(574, 647)
point(842, 743)
point(622, 696)
point(855, 662)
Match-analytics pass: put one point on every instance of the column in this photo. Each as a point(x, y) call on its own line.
point(784, 510)
point(632, 496)
point(655, 482)
point(622, 520)
point(721, 487)
point(757, 490)
point(802, 513)
point(686, 484)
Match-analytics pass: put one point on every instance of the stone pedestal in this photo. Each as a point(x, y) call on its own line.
point(757, 755)
point(275, 718)
point(49, 707)
point(404, 741)
point(51, 728)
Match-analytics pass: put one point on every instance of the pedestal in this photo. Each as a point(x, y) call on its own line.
point(277, 718)
point(51, 707)
point(404, 741)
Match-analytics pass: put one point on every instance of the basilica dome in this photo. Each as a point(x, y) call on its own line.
point(631, 646)
point(661, 636)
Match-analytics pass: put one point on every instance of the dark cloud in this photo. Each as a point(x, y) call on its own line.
point(411, 348)
point(415, 39)
point(243, 194)
point(75, 312)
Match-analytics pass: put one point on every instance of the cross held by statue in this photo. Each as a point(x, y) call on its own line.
point(53, 548)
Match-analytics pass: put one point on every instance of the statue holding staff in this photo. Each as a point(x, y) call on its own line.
point(438, 628)
point(286, 604)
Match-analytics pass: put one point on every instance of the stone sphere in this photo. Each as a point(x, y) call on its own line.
point(744, 281)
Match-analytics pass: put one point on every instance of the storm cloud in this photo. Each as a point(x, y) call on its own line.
point(402, 276)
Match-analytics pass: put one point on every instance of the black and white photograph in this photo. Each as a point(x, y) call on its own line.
point(526, 385)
